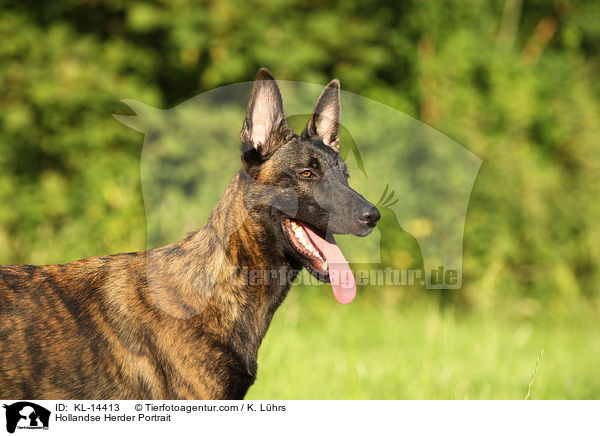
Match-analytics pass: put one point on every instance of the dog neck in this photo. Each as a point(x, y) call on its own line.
point(226, 278)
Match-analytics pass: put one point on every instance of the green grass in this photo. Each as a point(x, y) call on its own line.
point(380, 348)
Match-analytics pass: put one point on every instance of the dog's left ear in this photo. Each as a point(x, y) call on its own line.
point(265, 127)
point(324, 123)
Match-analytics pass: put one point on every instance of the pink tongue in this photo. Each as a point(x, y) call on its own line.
point(340, 274)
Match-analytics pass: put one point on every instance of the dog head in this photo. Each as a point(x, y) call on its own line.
point(305, 170)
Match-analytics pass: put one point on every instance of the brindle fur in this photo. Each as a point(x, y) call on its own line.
point(148, 325)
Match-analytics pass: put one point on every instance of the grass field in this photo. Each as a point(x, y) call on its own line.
point(380, 348)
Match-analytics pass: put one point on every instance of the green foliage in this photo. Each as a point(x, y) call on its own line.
point(514, 82)
point(379, 347)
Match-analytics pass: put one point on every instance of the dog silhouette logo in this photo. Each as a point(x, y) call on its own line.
point(26, 415)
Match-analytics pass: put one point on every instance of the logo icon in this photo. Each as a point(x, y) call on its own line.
point(26, 415)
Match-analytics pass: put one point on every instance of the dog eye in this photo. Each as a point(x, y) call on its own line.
point(306, 173)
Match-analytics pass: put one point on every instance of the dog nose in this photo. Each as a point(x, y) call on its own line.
point(368, 215)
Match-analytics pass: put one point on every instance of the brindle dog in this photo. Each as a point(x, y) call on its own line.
point(152, 325)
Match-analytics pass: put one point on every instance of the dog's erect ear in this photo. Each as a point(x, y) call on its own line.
point(265, 127)
point(324, 123)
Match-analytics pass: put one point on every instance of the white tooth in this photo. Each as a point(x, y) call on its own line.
point(325, 266)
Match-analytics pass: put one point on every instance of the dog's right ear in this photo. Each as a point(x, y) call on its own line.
point(265, 127)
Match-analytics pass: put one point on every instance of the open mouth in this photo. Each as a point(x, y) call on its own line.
point(298, 236)
point(323, 258)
